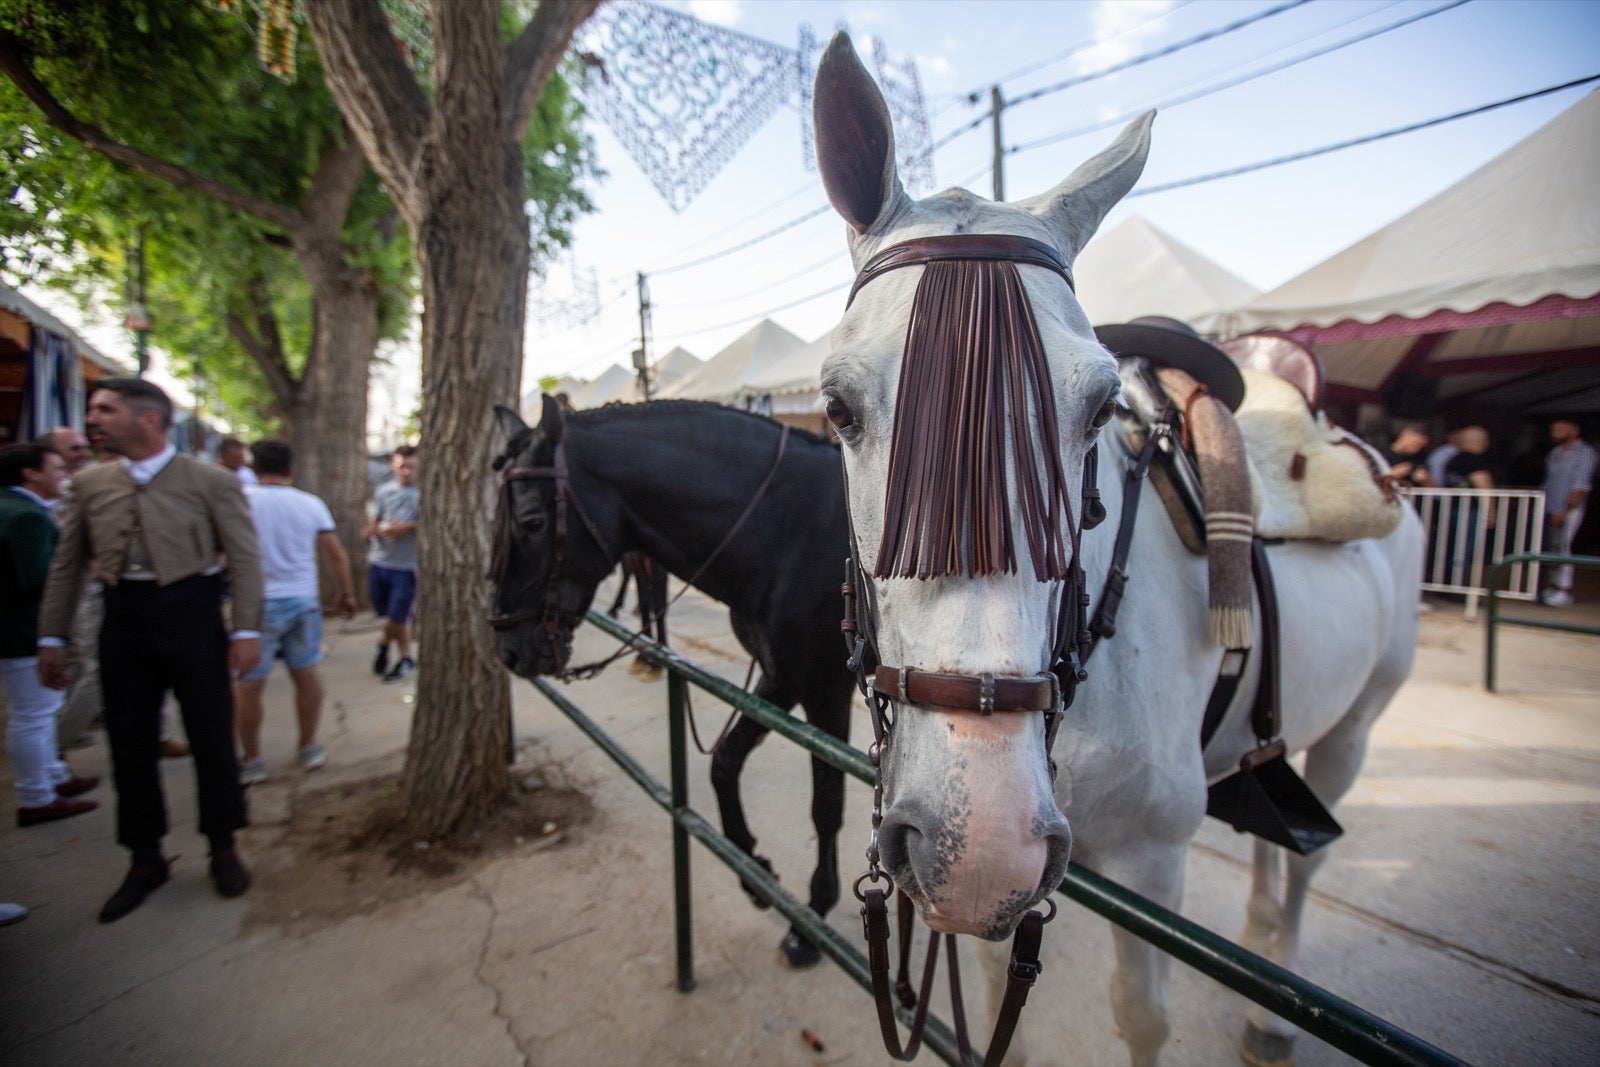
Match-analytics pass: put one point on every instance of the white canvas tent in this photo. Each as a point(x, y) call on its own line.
point(1490, 289)
point(724, 376)
point(674, 367)
point(1137, 269)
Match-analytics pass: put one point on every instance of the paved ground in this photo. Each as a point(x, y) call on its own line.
point(1460, 904)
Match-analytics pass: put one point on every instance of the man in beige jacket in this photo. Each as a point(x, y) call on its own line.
point(159, 528)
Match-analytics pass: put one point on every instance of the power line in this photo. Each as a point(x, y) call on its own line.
point(767, 313)
point(831, 258)
point(742, 245)
point(981, 119)
point(1067, 135)
point(1353, 142)
point(1157, 54)
point(1021, 72)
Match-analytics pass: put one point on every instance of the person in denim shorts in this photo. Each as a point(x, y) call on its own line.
point(392, 562)
point(292, 526)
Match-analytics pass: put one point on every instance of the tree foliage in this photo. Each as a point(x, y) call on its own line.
point(178, 80)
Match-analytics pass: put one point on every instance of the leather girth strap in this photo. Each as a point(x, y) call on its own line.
point(1266, 713)
point(987, 693)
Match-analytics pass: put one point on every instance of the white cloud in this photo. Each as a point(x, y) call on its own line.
point(1120, 27)
point(717, 12)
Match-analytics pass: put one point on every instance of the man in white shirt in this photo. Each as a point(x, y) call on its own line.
point(232, 454)
point(291, 526)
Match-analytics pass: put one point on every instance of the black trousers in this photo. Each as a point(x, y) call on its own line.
point(157, 640)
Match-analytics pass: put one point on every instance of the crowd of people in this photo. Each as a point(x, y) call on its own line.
point(1463, 460)
point(151, 575)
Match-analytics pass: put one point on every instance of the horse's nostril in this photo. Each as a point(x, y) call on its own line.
point(509, 658)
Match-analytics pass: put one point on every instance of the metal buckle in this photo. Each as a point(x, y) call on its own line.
point(986, 694)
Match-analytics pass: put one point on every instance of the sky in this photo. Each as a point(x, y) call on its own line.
point(1265, 226)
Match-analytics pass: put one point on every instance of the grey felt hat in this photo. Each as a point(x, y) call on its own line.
point(1170, 343)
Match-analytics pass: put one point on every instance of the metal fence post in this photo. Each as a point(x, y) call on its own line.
point(677, 701)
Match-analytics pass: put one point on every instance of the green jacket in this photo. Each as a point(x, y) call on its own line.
point(27, 540)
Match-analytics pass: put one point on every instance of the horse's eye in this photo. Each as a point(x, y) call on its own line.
point(1103, 416)
point(839, 413)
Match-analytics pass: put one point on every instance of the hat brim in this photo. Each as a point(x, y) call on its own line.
point(1197, 357)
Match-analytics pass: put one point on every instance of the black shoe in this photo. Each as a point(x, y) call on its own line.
point(401, 670)
point(228, 874)
point(380, 663)
point(142, 880)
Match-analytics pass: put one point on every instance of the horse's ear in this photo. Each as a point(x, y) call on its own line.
point(1075, 208)
point(855, 139)
point(552, 420)
point(509, 421)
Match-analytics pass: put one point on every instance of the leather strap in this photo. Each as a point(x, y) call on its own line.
point(984, 693)
point(962, 246)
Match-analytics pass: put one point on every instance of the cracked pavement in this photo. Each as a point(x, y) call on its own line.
point(1459, 903)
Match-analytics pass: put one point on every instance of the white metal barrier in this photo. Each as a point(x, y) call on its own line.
point(1468, 530)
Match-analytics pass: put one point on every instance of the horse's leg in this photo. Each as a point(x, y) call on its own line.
point(1142, 978)
point(727, 764)
point(622, 587)
point(1331, 768)
point(1265, 910)
point(650, 580)
point(827, 815)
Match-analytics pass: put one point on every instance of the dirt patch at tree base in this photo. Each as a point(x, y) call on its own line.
point(342, 851)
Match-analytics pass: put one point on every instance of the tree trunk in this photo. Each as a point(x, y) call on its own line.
point(473, 252)
point(327, 422)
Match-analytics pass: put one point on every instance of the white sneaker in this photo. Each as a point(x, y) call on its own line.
point(1557, 598)
point(312, 757)
point(253, 772)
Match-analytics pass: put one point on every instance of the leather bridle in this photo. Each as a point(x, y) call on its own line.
point(1050, 692)
point(558, 620)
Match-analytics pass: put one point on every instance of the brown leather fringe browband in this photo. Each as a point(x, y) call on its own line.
point(973, 372)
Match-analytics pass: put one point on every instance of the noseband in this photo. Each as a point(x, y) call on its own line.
point(558, 624)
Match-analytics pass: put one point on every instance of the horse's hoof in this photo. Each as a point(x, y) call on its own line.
point(798, 953)
point(761, 902)
point(1263, 1048)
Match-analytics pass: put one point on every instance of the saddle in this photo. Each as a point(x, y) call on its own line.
point(1265, 797)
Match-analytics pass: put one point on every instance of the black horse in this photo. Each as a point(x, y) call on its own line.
point(673, 479)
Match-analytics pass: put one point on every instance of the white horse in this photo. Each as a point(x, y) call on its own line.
point(974, 829)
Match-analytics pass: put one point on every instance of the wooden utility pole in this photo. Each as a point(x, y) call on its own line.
point(997, 104)
point(641, 356)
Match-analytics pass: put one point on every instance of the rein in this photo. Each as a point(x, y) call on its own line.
point(987, 309)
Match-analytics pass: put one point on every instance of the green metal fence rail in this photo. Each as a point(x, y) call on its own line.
point(1494, 618)
point(1316, 1011)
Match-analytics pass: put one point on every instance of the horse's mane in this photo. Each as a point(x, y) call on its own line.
point(617, 409)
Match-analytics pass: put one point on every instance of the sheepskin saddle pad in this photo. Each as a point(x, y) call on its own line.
point(1310, 479)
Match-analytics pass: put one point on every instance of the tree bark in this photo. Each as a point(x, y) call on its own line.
point(325, 411)
point(327, 424)
point(454, 169)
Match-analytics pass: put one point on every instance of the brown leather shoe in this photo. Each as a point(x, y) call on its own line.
point(172, 748)
point(59, 808)
point(78, 783)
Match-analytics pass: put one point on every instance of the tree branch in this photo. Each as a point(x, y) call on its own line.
point(535, 54)
point(374, 88)
point(263, 344)
point(14, 63)
point(333, 184)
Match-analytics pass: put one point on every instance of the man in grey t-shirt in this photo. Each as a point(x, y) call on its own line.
point(1568, 478)
point(392, 562)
